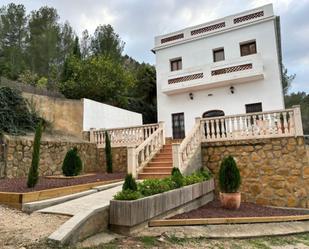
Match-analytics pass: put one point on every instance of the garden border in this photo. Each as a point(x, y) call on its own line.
point(16, 199)
point(220, 221)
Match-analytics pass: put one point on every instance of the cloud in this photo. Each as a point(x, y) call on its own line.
point(139, 21)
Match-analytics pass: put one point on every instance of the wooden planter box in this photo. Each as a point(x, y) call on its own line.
point(132, 213)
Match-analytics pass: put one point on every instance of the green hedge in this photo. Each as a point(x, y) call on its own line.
point(150, 187)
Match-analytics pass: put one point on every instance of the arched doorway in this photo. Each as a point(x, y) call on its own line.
point(214, 132)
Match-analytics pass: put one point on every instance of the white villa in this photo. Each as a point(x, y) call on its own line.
point(218, 81)
point(227, 66)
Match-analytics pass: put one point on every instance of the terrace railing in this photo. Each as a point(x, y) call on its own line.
point(253, 125)
point(138, 157)
point(281, 123)
point(126, 136)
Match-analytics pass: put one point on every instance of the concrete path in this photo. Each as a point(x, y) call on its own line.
point(83, 204)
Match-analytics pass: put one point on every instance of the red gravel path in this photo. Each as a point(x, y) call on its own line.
point(20, 184)
point(214, 210)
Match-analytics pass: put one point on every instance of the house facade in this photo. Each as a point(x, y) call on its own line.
point(228, 66)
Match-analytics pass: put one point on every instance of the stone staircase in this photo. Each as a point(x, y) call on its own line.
point(160, 166)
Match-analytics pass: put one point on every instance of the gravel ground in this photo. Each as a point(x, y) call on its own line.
point(18, 229)
point(214, 210)
point(20, 184)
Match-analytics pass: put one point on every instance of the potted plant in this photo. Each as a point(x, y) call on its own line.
point(229, 183)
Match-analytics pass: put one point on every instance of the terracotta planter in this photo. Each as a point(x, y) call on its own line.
point(230, 200)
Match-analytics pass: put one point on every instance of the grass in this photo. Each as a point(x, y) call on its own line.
point(148, 242)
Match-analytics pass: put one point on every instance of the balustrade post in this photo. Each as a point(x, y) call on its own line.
point(131, 161)
point(176, 155)
point(91, 137)
point(162, 125)
point(297, 121)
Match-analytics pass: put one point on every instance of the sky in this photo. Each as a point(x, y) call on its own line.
point(139, 21)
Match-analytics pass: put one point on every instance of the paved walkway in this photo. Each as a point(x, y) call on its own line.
point(83, 204)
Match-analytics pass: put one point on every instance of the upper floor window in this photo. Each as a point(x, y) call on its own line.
point(218, 54)
point(255, 107)
point(248, 48)
point(176, 64)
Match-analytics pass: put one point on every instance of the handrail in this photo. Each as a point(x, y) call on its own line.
point(127, 136)
point(183, 152)
point(139, 156)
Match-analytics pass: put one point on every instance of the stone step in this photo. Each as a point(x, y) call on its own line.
point(153, 175)
point(157, 170)
point(165, 153)
point(160, 159)
point(160, 164)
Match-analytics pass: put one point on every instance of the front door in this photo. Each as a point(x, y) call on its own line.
point(178, 123)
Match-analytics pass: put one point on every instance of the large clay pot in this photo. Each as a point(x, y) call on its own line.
point(230, 200)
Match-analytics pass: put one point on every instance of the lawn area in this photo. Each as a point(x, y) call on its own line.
point(300, 241)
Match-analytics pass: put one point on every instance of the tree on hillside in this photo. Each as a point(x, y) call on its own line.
point(12, 40)
point(144, 96)
point(106, 42)
point(85, 44)
point(44, 40)
point(302, 99)
point(286, 79)
point(98, 78)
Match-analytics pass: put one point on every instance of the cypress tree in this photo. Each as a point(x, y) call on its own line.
point(108, 154)
point(72, 164)
point(229, 176)
point(129, 183)
point(33, 175)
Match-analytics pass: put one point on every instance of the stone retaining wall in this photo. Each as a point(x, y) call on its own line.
point(274, 171)
point(17, 156)
point(119, 159)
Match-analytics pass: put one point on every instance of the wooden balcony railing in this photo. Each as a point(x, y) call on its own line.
point(126, 136)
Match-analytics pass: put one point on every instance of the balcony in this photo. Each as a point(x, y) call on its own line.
point(218, 74)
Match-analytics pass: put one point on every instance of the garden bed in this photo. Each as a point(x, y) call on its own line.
point(128, 214)
point(20, 184)
point(213, 213)
point(13, 192)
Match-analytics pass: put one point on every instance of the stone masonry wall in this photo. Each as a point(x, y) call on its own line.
point(19, 155)
point(119, 159)
point(274, 171)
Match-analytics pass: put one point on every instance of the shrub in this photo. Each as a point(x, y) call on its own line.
point(72, 164)
point(108, 154)
point(194, 178)
point(128, 194)
point(229, 176)
point(153, 186)
point(205, 172)
point(129, 183)
point(15, 116)
point(33, 175)
point(177, 177)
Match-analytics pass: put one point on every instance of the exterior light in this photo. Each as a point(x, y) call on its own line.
point(191, 96)
point(232, 89)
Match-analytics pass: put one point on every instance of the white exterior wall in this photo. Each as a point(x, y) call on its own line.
point(98, 115)
point(198, 54)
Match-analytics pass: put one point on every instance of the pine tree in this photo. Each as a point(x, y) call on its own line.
point(229, 176)
point(72, 164)
point(108, 154)
point(33, 175)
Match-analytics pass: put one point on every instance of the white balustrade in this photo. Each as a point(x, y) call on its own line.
point(270, 124)
point(253, 125)
point(126, 136)
point(138, 157)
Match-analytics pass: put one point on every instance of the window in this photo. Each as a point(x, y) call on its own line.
point(255, 107)
point(218, 54)
point(176, 64)
point(248, 48)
